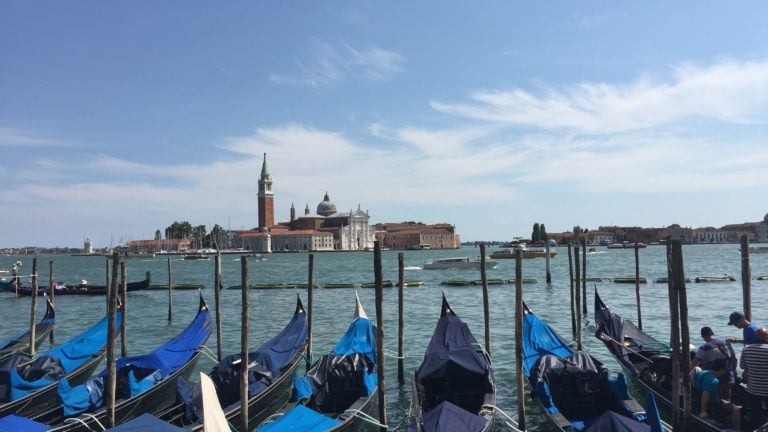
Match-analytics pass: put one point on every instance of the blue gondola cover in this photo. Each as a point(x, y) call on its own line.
point(21, 424)
point(146, 423)
point(452, 352)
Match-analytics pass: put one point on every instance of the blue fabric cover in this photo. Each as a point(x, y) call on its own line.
point(146, 423)
point(21, 424)
point(156, 366)
point(70, 356)
point(540, 339)
point(359, 338)
point(452, 351)
point(618, 386)
point(302, 389)
point(448, 417)
point(611, 421)
point(652, 411)
point(301, 419)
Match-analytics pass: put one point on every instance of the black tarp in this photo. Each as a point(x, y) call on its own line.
point(578, 384)
point(43, 367)
point(611, 421)
point(447, 417)
point(452, 351)
point(338, 381)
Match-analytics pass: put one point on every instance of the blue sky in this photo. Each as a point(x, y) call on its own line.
point(119, 118)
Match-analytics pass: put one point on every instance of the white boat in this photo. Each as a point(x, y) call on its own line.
point(528, 252)
point(458, 263)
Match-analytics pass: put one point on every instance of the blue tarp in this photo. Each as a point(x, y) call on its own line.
point(69, 356)
point(21, 424)
point(359, 338)
point(265, 364)
point(301, 419)
point(448, 417)
point(540, 339)
point(611, 421)
point(151, 368)
point(351, 365)
point(146, 423)
point(452, 351)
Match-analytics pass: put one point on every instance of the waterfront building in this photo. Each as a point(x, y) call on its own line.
point(326, 230)
point(413, 235)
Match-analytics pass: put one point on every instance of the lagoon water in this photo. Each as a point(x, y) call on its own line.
point(148, 325)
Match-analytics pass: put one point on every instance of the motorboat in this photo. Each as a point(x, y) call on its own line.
point(528, 252)
point(626, 245)
point(459, 263)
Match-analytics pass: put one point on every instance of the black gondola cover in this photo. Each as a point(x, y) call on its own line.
point(43, 367)
point(611, 421)
point(338, 381)
point(578, 384)
point(448, 417)
point(452, 352)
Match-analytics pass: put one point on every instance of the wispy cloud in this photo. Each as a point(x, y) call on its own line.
point(735, 92)
point(326, 64)
point(589, 21)
point(14, 137)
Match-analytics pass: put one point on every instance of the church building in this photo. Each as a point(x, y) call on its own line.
point(326, 230)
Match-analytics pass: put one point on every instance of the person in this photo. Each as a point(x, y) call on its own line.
point(754, 359)
point(706, 399)
point(715, 349)
point(738, 320)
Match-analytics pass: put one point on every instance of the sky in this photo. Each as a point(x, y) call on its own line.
point(119, 118)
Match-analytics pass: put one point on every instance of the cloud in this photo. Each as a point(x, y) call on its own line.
point(326, 64)
point(732, 92)
point(14, 137)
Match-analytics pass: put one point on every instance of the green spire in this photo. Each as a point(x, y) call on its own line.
point(264, 171)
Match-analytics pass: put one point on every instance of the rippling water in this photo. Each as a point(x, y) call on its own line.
point(148, 326)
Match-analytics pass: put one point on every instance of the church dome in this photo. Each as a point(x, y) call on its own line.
point(765, 218)
point(326, 207)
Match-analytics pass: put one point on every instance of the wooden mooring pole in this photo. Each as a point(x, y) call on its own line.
point(111, 391)
point(486, 305)
point(681, 360)
point(245, 301)
point(576, 265)
point(573, 297)
point(217, 299)
point(124, 301)
point(400, 318)
point(746, 278)
point(637, 287)
point(310, 302)
point(170, 291)
point(548, 264)
point(53, 295)
point(519, 338)
point(32, 321)
point(584, 275)
point(380, 336)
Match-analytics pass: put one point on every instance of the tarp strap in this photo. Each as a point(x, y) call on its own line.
point(366, 417)
point(511, 422)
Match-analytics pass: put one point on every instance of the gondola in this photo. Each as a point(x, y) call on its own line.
point(455, 381)
point(339, 392)
point(20, 342)
point(575, 390)
point(647, 360)
point(271, 369)
point(146, 383)
point(79, 289)
point(29, 387)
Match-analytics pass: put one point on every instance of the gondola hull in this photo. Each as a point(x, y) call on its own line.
point(21, 343)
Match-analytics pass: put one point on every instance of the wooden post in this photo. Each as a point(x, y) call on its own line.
point(674, 314)
point(746, 278)
point(380, 336)
point(217, 299)
point(486, 306)
point(519, 337)
point(548, 263)
point(576, 265)
point(310, 300)
point(685, 365)
point(124, 301)
point(400, 318)
point(111, 389)
point(637, 286)
point(32, 321)
point(244, 344)
point(53, 295)
point(170, 291)
point(108, 281)
point(573, 298)
point(584, 275)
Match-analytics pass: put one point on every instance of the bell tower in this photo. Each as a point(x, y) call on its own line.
point(266, 198)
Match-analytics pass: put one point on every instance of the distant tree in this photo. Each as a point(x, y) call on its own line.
point(577, 232)
point(179, 230)
point(543, 233)
point(216, 237)
point(674, 226)
point(158, 235)
point(620, 234)
point(535, 235)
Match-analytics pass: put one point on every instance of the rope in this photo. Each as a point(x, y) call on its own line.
point(209, 353)
point(84, 423)
point(510, 421)
point(370, 419)
point(392, 354)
